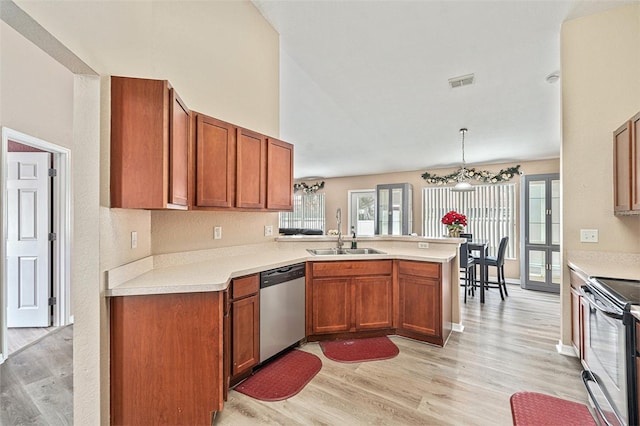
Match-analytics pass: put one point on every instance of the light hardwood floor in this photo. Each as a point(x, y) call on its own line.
point(18, 338)
point(36, 384)
point(506, 347)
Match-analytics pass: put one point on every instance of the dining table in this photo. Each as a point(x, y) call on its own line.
point(480, 246)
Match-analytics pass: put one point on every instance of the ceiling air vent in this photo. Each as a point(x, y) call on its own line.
point(464, 80)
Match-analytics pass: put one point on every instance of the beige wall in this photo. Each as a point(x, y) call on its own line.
point(184, 231)
point(36, 92)
point(336, 191)
point(600, 91)
point(223, 59)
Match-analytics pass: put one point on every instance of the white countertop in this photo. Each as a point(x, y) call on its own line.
point(607, 264)
point(212, 270)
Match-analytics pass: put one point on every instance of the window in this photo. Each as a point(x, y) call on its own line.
point(308, 212)
point(362, 211)
point(490, 211)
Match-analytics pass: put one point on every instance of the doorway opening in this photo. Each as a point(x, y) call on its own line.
point(36, 229)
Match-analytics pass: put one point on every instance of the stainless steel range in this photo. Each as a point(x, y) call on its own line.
point(610, 348)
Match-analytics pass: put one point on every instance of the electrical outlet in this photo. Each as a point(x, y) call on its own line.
point(423, 245)
point(588, 235)
point(134, 239)
point(217, 233)
point(268, 230)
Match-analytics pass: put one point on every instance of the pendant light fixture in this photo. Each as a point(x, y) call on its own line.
point(462, 185)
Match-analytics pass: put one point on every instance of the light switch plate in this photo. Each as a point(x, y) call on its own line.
point(268, 230)
point(588, 235)
point(134, 239)
point(217, 233)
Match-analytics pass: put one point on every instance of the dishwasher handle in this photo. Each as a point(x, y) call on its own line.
point(280, 275)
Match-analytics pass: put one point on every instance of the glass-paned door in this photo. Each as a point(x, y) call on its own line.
point(394, 212)
point(362, 211)
point(541, 228)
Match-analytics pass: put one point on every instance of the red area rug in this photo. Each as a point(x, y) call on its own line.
point(535, 409)
point(282, 378)
point(358, 350)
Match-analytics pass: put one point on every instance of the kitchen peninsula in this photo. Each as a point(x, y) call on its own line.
point(170, 313)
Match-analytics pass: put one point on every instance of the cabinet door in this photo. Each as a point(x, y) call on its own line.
point(576, 311)
point(622, 168)
point(245, 323)
point(178, 150)
point(215, 162)
point(635, 154)
point(226, 354)
point(251, 169)
point(331, 305)
point(166, 358)
point(419, 305)
point(279, 175)
point(139, 143)
point(373, 303)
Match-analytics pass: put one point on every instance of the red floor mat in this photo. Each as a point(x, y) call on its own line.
point(536, 409)
point(282, 378)
point(358, 350)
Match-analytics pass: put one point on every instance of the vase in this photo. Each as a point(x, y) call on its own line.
point(454, 232)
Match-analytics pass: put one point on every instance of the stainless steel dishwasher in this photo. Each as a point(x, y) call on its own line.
point(282, 309)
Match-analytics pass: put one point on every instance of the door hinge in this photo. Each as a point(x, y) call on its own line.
point(53, 172)
point(52, 301)
point(52, 236)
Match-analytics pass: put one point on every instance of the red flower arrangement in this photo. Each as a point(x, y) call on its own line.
point(455, 222)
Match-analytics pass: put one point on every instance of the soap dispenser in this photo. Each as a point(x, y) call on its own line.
point(354, 242)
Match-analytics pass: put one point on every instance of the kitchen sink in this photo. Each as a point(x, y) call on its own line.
point(335, 251)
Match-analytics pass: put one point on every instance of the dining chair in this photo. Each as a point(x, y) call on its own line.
point(469, 237)
point(498, 262)
point(467, 265)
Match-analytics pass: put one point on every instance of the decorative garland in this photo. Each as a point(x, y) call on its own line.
point(503, 175)
point(308, 189)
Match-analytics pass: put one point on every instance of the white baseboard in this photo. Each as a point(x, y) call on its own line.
point(567, 350)
point(458, 327)
point(70, 319)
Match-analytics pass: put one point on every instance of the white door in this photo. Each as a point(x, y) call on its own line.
point(28, 239)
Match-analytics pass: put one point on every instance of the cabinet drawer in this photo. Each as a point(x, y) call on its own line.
point(245, 286)
point(353, 268)
point(576, 279)
point(420, 269)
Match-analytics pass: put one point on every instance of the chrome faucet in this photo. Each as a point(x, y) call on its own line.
point(339, 219)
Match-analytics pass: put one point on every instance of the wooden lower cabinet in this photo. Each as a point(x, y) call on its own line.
point(350, 296)
point(577, 280)
point(361, 298)
point(373, 302)
point(245, 326)
point(424, 305)
point(331, 299)
point(576, 321)
point(167, 358)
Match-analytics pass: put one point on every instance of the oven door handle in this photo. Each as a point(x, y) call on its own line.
point(587, 377)
point(594, 305)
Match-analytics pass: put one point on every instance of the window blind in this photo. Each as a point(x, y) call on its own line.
point(308, 212)
point(490, 211)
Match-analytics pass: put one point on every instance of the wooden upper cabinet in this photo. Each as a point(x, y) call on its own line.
point(635, 155)
point(626, 167)
point(145, 172)
point(279, 175)
point(622, 167)
point(178, 150)
point(251, 169)
point(215, 162)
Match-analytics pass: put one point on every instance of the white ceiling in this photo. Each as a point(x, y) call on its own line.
point(364, 84)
